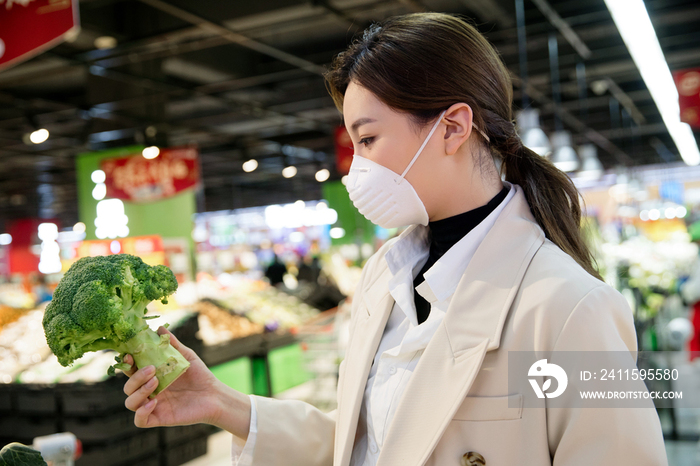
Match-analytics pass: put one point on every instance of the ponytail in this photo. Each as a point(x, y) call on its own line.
point(552, 196)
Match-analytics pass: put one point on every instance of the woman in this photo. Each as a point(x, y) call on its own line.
point(486, 267)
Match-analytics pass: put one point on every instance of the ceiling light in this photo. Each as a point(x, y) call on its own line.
point(322, 175)
point(5, 239)
point(105, 42)
point(99, 191)
point(98, 176)
point(337, 233)
point(564, 156)
point(591, 168)
point(532, 135)
point(150, 152)
point(115, 246)
point(39, 136)
point(289, 171)
point(250, 165)
point(638, 33)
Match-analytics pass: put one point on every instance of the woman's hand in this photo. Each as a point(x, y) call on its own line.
point(195, 397)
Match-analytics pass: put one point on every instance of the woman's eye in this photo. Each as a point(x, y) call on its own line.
point(366, 141)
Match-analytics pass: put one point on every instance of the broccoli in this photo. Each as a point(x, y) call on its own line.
point(16, 454)
point(100, 304)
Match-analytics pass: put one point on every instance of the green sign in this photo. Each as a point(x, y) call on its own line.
point(170, 218)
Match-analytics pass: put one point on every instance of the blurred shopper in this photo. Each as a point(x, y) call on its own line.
point(486, 268)
point(309, 269)
point(275, 271)
point(40, 290)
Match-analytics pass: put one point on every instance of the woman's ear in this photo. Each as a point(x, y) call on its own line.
point(458, 119)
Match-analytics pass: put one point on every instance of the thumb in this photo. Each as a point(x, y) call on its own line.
point(174, 342)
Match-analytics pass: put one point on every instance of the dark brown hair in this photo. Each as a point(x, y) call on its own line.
point(423, 63)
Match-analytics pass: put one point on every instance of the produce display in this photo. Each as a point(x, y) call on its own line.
point(100, 303)
point(652, 267)
point(256, 300)
point(218, 325)
point(271, 308)
point(25, 357)
point(9, 314)
point(14, 296)
point(22, 344)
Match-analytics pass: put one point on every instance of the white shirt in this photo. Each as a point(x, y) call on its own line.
point(403, 340)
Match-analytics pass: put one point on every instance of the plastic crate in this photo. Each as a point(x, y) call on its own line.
point(178, 434)
point(35, 399)
point(93, 399)
point(237, 374)
point(7, 392)
point(177, 455)
point(23, 428)
point(101, 428)
point(123, 451)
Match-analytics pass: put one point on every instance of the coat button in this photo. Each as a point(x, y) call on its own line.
point(472, 458)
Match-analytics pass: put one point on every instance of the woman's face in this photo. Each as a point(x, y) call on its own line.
point(389, 139)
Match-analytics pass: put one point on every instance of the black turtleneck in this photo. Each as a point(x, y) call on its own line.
point(445, 233)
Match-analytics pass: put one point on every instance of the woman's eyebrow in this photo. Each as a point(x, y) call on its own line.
point(362, 121)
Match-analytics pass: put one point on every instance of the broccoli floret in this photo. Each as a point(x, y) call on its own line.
point(100, 304)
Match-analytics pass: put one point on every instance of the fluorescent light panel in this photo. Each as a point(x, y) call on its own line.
point(635, 27)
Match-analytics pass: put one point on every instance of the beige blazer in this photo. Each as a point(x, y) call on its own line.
point(519, 292)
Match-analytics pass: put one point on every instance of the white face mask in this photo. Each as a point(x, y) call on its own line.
point(385, 198)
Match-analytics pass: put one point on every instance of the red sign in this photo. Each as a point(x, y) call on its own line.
point(343, 150)
point(137, 179)
point(149, 248)
point(688, 84)
point(28, 27)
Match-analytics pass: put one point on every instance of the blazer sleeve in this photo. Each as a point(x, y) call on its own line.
point(295, 433)
point(603, 321)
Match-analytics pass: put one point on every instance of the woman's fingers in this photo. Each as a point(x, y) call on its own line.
point(137, 398)
point(139, 378)
point(142, 414)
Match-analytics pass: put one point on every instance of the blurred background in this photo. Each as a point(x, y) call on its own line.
point(200, 135)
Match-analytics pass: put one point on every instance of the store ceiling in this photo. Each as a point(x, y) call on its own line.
point(242, 80)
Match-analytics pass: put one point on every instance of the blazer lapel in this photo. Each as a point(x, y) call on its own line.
point(368, 331)
point(471, 327)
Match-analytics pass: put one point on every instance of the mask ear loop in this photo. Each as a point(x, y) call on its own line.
point(481, 132)
point(415, 157)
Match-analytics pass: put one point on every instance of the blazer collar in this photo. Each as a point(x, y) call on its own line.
point(486, 290)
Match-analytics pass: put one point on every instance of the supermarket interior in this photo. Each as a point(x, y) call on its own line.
point(201, 136)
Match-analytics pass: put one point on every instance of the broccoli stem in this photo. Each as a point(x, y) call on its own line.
point(148, 348)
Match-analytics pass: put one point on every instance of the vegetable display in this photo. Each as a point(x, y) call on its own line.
point(16, 454)
point(100, 303)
